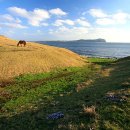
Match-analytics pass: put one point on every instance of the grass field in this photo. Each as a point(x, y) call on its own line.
point(78, 92)
point(34, 58)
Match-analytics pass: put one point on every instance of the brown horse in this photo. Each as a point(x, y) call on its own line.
point(21, 42)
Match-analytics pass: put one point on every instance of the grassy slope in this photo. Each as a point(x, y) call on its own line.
point(34, 58)
point(26, 103)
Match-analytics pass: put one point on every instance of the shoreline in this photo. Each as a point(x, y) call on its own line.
point(101, 57)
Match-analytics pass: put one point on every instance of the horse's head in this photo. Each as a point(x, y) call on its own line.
point(21, 42)
point(24, 42)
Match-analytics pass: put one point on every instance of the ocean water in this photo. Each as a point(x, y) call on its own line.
point(93, 49)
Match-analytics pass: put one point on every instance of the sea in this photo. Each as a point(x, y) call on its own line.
point(94, 49)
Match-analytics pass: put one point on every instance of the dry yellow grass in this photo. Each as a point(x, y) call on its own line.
point(34, 58)
point(89, 110)
point(83, 85)
point(106, 72)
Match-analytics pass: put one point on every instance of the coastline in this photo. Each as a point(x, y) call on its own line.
point(88, 56)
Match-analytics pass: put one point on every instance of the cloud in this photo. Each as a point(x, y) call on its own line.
point(121, 17)
point(57, 11)
point(117, 18)
point(60, 22)
point(83, 22)
point(103, 18)
point(12, 25)
point(105, 21)
point(111, 34)
point(44, 24)
point(18, 11)
point(10, 22)
point(69, 33)
point(9, 18)
point(35, 17)
point(97, 13)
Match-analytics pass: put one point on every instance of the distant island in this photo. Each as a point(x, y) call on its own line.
point(92, 40)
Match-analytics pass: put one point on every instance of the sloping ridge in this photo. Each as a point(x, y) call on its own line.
point(34, 58)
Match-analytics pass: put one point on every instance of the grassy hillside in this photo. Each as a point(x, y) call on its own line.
point(81, 93)
point(34, 58)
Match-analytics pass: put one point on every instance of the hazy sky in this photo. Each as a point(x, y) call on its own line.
point(65, 19)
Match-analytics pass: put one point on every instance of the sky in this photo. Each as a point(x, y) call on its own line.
point(40, 20)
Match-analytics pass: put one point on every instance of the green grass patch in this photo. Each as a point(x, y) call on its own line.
point(101, 61)
point(26, 103)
